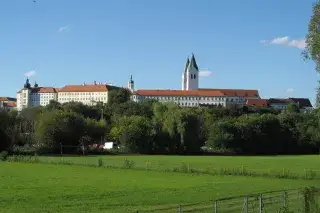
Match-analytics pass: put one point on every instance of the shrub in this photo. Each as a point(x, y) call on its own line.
point(23, 158)
point(3, 155)
point(21, 150)
point(128, 164)
point(100, 162)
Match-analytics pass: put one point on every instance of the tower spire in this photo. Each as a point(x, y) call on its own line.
point(131, 84)
point(187, 64)
point(193, 62)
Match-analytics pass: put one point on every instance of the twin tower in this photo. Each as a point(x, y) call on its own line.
point(190, 76)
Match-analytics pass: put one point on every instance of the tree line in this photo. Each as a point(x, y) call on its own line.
point(151, 127)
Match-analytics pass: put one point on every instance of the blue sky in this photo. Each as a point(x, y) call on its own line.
point(245, 44)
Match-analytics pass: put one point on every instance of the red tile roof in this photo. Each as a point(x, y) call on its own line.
point(10, 104)
point(200, 92)
point(236, 92)
point(257, 102)
point(43, 90)
point(84, 88)
point(302, 102)
point(280, 101)
point(145, 92)
point(7, 99)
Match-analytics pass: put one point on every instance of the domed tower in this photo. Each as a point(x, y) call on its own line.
point(35, 84)
point(131, 84)
point(27, 85)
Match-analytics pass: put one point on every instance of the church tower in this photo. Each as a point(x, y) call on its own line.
point(131, 84)
point(190, 77)
point(184, 76)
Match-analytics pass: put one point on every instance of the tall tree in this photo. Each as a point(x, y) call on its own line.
point(313, 37)
point(318, 95)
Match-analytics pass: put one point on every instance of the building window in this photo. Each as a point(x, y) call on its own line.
point(194, 76)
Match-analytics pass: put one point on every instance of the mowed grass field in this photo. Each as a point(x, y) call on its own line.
point(293, 164)
point(26, 187)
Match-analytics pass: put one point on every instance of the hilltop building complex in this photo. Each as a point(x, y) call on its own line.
point(190, 95)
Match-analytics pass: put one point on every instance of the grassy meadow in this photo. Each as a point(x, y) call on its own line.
point(262, 165)
point(36, 187)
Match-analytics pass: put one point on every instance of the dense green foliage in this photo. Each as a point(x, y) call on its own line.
point(313, 37)
point(153, 127)
point(58, 188)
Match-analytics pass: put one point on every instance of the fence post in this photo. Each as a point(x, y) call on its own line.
point(215, 206)
point(246, 205)
point(284, 199)
point(179, 209)
point(260, 203)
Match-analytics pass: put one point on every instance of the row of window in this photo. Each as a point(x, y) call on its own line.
point(180, 98)
point(189, 98)
point(83, 99)
point(82, 93)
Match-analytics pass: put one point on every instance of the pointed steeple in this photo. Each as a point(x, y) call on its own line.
point(187, 64)
point(193, 62)
point(35, 84)
point(131, 84)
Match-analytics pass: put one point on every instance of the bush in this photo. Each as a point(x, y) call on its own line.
point(21, 150)
point(128, 164)
point(23, 158)
point(98, 151)
point(100, 162)
point(3, 155)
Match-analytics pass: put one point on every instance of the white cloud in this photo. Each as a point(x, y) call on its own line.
point(286, 41)
point(290, 90)
point(205, 73)
point(30, 73)
point(63, 28)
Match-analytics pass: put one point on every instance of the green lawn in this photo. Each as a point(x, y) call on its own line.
point(65, 188)
point(293, 164)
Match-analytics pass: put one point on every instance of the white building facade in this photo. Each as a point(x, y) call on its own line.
point(88, 94)
point(192, 96)
point(35, 96)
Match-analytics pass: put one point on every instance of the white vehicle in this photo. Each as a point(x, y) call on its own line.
point(110, 145)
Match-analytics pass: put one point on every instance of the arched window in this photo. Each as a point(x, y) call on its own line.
point(191, 76)
point(194, 76)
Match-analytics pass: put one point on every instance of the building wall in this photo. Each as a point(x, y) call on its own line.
point(27, 99)
point(23, 99)
point(84, 97)
point(188, 101)
point(42, 99)
point(280, 106)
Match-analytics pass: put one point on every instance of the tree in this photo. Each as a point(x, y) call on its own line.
point(118, 96)
point(8, 130)
point(59, 127)
point(312, 50)
point(53, 105)
point(134, 133)
point(292, 108)
point(318, 95)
